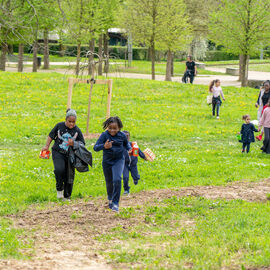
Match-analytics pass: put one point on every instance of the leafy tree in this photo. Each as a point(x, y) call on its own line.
point(241, 26)
point(175, 28)
point(143, 18)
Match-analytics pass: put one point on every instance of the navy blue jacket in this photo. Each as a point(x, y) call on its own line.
point(120, 146)
point(247, 132)
point(131, 160)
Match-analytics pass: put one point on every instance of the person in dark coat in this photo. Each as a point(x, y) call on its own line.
point(247, 133)
point(131, 163)
point(64, 135)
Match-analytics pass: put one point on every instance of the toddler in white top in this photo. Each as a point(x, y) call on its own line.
point(216, 90)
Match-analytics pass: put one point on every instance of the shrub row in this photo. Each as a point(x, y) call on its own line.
point(139, 53)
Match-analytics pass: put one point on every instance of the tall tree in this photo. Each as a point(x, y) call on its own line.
point(176, 30)
point(143, 19)
point(240, 25)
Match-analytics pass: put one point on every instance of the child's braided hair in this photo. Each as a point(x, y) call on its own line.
point(113, 119)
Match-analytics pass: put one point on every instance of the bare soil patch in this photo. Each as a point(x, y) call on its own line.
point(64, 235)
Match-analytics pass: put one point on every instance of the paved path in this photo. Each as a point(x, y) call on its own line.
point(252, 75)
point(226, 80)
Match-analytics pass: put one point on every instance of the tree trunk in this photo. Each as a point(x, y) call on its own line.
point(35, 63)
point(78, 58)
point(3, 58)
point(61, 49)
point(172, 66)
point(46, 50)
point(91, 64)
point(20, 58)
point(169, 66)
point(244, 71)
point(240, 67)
point(106, 53)
point(10, 49)
point(100, 56)
point(153, 61)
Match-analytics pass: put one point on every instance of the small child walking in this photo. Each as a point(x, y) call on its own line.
point(131, 166)
point(247, 133)
point(114, 144)
point(216, 90)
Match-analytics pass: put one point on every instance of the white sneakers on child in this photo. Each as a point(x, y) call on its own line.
point(60, 194)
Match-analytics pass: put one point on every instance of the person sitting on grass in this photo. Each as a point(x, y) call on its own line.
point(114, 143)
point(64, 134)
point(265, 123)
point(247, 133)
point(131, 166)
point(216, 90)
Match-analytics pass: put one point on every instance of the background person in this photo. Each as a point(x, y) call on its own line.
point(190, 71)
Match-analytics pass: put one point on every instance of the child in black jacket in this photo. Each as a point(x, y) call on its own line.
point(247, 133)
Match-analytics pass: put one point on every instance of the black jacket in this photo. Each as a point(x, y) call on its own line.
point(79, 158)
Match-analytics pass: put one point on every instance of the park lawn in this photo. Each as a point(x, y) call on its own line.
point(172, 119)
point(235, 62)
point(261, 67)
point(192, 233)
point(144, 67)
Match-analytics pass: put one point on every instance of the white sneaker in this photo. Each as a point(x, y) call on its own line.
point(60, 194)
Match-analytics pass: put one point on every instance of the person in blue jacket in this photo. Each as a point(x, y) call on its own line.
point(131, 166)
point(114, 144)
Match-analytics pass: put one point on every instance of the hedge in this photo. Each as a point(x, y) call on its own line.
point(139, 53)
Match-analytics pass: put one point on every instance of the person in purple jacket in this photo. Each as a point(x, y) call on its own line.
point(131, 166)
point(114, 144)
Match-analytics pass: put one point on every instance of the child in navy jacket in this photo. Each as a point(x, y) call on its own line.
point(114, 144)
point(247, 132)
point(131, 166)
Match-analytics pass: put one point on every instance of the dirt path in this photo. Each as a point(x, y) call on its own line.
point(64, 235)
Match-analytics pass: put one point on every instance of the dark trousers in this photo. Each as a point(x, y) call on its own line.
point(113, 176)
point(133, 169)
point(188, 74)
point(216, 103)
point(266, 141)
point(60, 162)
point(246, 145)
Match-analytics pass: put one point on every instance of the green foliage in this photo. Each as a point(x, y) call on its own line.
point(241, 25)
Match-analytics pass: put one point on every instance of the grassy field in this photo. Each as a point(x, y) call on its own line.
point(192, 148)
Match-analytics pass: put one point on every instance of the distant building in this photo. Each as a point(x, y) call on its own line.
point(117, 37)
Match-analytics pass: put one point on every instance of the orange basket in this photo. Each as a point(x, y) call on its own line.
point(45, 154)
point(149, 155)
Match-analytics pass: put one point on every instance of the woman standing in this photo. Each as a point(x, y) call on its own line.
point(265, 123)
point(64, 134)
point(263, 97)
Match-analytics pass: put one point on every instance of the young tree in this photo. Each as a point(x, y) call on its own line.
point(241, 26)
point(142, 18)
point(177, 31)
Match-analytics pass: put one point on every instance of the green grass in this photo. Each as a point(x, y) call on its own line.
point(235, 62)
point(144, 67)
point(172, 119)
point(194, 232)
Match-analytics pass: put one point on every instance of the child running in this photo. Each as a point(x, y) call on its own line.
point(64, 134)
point(131, 166)
point(216, 90)
point(114, 143)
point(247, 132)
